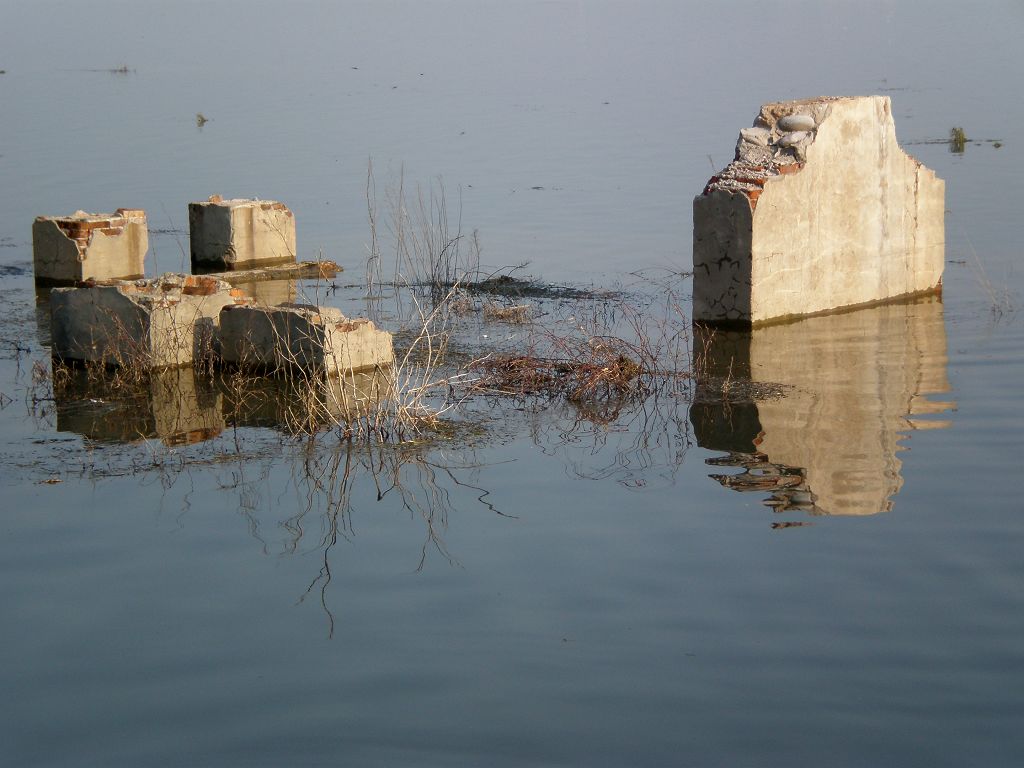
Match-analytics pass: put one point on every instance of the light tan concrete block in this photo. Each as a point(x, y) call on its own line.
point(240, 234)
point(90, 246)
point(820, 210)
point(303, 337)
point(167, 322)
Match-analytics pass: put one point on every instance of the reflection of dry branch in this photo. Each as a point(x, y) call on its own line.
point(328, 478)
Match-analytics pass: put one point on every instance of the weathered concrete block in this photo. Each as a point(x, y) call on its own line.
point(90, 246)
point(238, 234)
point(304, 337)
point(820, 209)
point(816, 411)
point(160, 323)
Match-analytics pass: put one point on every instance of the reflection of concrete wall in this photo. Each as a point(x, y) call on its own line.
point(831, 398)
point(43, 316)
point(303, 403)
point(170, 407)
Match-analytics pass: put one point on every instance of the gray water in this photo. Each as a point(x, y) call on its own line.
point(550, 591)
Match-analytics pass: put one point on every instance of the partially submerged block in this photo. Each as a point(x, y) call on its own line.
point(240, 234)
point(90, 246)
point(160, 323)
point(820, 209)
point(304, 337)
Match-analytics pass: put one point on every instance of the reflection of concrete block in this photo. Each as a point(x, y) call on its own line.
point(170, 405)
point(306, 403)
point(820, 209)
point(815, 410)
point(158, 323)
point(302, 336)
point(90, 246)
point(237, 234)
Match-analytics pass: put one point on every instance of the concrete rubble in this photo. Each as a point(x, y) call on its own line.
point(240, 234)
point(181, 320)
point(89, 246)
point(112, 318)
point(819, 210)
point(302, 336)
point(147, 324)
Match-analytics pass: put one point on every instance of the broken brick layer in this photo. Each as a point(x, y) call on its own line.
point(80, 226)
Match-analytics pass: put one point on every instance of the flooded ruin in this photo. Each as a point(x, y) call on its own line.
point(564, 525)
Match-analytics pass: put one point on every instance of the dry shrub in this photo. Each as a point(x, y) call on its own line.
point(519, 314)
point(600, 373)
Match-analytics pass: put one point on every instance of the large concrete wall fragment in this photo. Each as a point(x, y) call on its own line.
point(90, 246)
point(839, 216)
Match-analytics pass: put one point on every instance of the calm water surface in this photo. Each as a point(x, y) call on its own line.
point(828, 573)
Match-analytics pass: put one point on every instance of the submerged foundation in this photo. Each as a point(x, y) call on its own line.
point(820, 210)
